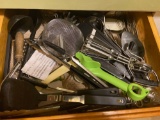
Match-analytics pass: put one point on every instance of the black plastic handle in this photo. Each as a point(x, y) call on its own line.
point(37, 20)
point(55, 47)
point(104, 100)
point(146, 82)
point(34, 82)
point(101, 92)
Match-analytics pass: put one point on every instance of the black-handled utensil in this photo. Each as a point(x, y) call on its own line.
point(146, 82)
point(19, 94)
point(55, 47)
point(100, 92)
point(37, 21)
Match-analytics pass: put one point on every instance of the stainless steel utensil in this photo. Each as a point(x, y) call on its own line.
point(132, 43)
point(64, 34)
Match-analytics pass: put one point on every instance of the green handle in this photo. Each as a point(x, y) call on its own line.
point(95, 68)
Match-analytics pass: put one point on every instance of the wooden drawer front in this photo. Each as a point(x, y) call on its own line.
point(3, 40)
point(152, 57)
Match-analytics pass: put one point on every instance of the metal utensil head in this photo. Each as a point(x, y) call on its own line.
point(63, 34)
point(19, 23)
point(128, 39)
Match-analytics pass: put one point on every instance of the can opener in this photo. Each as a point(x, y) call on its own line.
point(135, 91)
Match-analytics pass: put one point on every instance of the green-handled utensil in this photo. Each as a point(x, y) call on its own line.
point(134, 91)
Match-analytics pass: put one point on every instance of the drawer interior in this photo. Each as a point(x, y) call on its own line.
point(146, 36)
point(152, 57)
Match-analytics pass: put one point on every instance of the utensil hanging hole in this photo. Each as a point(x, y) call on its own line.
point(136, 90)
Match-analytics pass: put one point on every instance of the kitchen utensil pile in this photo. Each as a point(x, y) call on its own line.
point(79, 60)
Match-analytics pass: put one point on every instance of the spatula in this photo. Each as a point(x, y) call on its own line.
point(19, 94)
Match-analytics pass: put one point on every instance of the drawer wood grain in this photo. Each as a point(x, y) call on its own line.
point(152, 57)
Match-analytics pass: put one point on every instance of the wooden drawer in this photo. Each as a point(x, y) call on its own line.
point(146, 34)
point(3, 38)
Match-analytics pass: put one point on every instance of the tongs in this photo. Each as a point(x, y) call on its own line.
point(18, 94)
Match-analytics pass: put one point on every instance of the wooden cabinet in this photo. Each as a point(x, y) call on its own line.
point(103, 5)
point(146, 30)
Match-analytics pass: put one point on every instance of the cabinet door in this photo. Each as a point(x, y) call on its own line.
point(118, 5)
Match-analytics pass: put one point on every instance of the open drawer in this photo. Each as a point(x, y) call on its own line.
point(152, 57)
